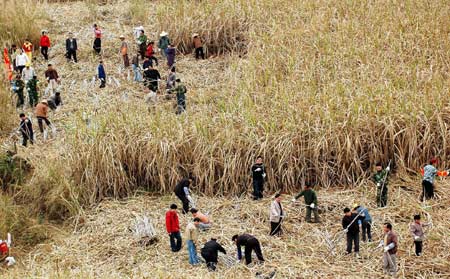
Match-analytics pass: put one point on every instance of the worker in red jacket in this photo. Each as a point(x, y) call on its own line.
point(44, 44)
point(173, 228)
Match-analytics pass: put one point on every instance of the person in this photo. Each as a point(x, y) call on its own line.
point(170, 53)
point(124, 52)
point(416, 230)
point(26, 128)
point(32, 89)
point(152, 77)
point(351, 228)
point(28, 49)
point(28, 73)
point(150, 53)
point(101, 74)
point(180, 91)
point(182, 192)
point(310, 202)
point(198, 46)
point(41, 112)
point(163, 42)
point(98, 39)
point(251, 244)
point(171, 78)
point(173, 228)
point(366, 223)
point(51, 75)
point(44, 44)
point(210, 253)
point(55, 101)
point(21, 61)
point(136, 70)
point(205, 222)
point(19, 85)
point(14, 51)
point(381, 180)
point(192, 239)
point(276, 216)
point(142, 42)
point(259, 174)
point(429, 174)
point(71, 48)
point(390, 244)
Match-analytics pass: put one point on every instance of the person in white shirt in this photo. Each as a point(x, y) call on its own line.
point(276, 216)
point(28, 73)
point(21, 61)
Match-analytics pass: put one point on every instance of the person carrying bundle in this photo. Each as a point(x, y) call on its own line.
point(310, 202)
point(182, 192)
point(381, 180)
point(251, 244)
point(205, 222)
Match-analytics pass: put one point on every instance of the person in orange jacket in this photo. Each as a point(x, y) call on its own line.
point(44, 44)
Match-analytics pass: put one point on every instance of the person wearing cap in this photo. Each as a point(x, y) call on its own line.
point(28, 73)
point(101, 74)
point(170, 53)
point(41, 112)
point(366, 223)
point(28, 49)
point(191, 237)
point(32, 89)
point(416, 230)
point(19, 85)
point(21, 61)
point(310, 197)
point(180, 90)
point(163, 42)
point(198, 46)
point(71, 48)
point(150, 52)
point(97, 46)
point(26, 128)
point(381, 180)
point(429, 174)
point(351, 228)
point(44, 44)
point(276, 216)
point(51, 75)
point(124, 52)
point(142, 42)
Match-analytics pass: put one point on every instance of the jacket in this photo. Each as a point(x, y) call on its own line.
point(365, 214)
point(179, 189)
point(379, 177)
point(45, 41)
point(172, 223)
point(22, 59)
point(389, 238)
point(211, 250)
point(101, 72)
point(197, 42)
point(244, 240)
point(191, 232)
point(275, 212)
point(309, 196)
point(26, 128)
point(51, 74)
point(28, 74)
point(416, 230)
point(41, 110)
point(429, 173)
point(149, 52)
point(163, 42)
point(258, 171)
point(27, 47)
point(71, 45)
point(354, 227)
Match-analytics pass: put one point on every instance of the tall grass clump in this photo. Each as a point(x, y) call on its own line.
point(138, 11)
point(7, 113)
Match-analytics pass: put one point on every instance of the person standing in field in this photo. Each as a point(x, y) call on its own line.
point(198, 46)
point(310, 197)
point(150, 52)
point(71, 48)
point(192, 239)
point(28, 49)
point(41, 112)
point(124, 52)
point(210, 252)
point(101, 74)
point(173, 228)
point(351, 228)
point(183, 193)
point(98, 39)
point(381, 180)
point(26, 128)
point(276, 216)
point(366, 222)
point(251, 244)
point(204, 223)
point(416, 230)
point(19, 86)
point(429, 174)
point(180, 91)
point(136, 69)
point(170, 53)
point(163, 42)
point(142, 42)
point(32, 89)
point(21, 61)
point(28, 73)
point(44, 44)
point(171, 79)
point(51, 75)
point(152, 77)
point(259, 175)
point(390, 244)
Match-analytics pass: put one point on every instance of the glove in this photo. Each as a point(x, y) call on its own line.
point(386, 248)
point(345, 230)
point(380, 244)
point(264, 175)
point(416, 237)
point(378, 184)
point(388, 168)
point(312, 205)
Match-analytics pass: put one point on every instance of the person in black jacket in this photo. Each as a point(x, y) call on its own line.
point(259, 174)
point(350, 223)
point(210, 252)
point(151, 76)
point(251, 244)
point(182, 192)
point(71, 48)
point(26, 128)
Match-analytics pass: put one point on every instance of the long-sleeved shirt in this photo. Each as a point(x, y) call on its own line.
point(26, 127)
point(379, 177)
point(71, 44)
point(365, 214)
point(391, 238)
point(45, 41)
point(101, 72)
point(211, 250)
point(41, 110)
point(22, 59)
point(51, 74)
point(416, 230)
point(28, 73)
point(309, 196)
point(182, 188)
point(172, 223)
point(429, 173)
point(163, 42)
point(197, 42)
point(354, 227)
point(276, 212)
point(191, 232)
point(258, 171)
point(242, 240)
point(142, 39)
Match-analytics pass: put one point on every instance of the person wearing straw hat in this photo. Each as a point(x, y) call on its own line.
point(71, 48)
point(198, 46)
point(163, 42)
point(191, 237)
point(26, 128)
point(173, 228)
point(250, 243)
point(44, 44)
point(390, 247)
point(276, 216)
point(310, 197)
point(210, 252)
point(366, 223)
point(142, 42)
point(381, 180)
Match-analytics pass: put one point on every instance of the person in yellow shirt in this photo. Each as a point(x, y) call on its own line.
point(191, 236)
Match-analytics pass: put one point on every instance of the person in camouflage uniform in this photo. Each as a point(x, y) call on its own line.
point(381, 180)
point(19, 86)
point(32, 89)
point(180, 90)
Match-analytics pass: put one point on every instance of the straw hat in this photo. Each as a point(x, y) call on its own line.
point(163, 33)
point(121, 37)
point(44, 102)
point(195, 35)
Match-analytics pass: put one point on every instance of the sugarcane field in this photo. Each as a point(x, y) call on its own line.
point(225, 139)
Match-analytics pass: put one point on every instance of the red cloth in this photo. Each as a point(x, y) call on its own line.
point(45, 41)
point(149, 51)
point(172, 223)
point(98, 33)
point(4, 249)
point(27, 47)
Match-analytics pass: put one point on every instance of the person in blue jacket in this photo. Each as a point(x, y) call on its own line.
point(366, 223)
point(101, 74)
